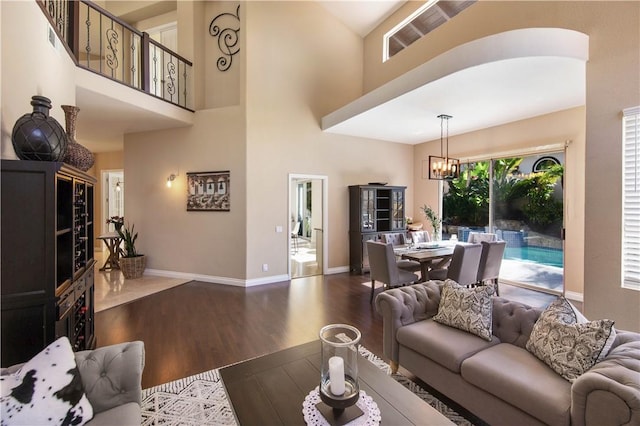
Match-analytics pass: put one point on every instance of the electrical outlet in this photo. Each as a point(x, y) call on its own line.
point(278, 228)
point(265, 267)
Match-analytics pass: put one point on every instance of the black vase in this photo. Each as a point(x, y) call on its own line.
point(37, 136)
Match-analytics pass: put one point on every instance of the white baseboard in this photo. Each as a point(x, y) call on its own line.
point(217, 280)
point(337, 270)
point(267, 280)
point(572, 295)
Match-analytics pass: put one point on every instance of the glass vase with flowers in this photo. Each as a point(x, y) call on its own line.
point(117, 222)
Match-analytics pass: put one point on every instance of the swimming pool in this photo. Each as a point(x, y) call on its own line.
point(542, 255)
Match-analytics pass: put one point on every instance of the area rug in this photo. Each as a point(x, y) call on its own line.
point(201, 400)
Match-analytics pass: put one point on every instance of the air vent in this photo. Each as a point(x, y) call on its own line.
point(420, 23)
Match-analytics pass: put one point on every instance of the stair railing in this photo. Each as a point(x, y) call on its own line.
point(102, 43)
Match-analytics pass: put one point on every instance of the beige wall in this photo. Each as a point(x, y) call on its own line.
point(288, 84)
point(191, 45)
point(303, 64)
point(204, 245)
point(546, 130)
point(23, 75)
point(613, 83)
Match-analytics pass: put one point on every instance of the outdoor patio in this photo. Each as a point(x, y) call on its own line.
point(532, 273)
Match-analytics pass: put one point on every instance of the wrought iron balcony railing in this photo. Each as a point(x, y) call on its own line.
point(106, 45)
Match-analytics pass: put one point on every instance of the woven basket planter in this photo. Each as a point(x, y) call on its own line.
point(133, 267)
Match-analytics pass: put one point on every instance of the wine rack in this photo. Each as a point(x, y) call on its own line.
point(79, 227)
point(47, 258)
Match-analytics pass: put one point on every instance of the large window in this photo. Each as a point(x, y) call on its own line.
point(520, 199)
point(631, 199)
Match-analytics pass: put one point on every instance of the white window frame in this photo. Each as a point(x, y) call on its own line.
point(631, 198)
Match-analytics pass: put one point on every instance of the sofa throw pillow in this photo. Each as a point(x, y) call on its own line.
point(47, 390)
point(565, 344)
point(468, 309)
point(581, 319)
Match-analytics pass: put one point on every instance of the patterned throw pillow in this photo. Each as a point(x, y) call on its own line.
point(47, 390)
point(568, 343)
point(468, 309)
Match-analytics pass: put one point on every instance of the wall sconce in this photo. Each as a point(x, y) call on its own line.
point(443, 167)
point(170, 180)
point(118, 187)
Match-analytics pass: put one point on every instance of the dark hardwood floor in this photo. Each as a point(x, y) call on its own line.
point(199, 326)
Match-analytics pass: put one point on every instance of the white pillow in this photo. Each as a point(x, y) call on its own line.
point(467, 309)
point(568, 343)
point(47, 390)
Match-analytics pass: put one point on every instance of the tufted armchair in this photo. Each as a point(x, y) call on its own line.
point(112, 380)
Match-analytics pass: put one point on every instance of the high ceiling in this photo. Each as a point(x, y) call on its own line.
point(479, 95)
point(488, 82)
point(361, 16)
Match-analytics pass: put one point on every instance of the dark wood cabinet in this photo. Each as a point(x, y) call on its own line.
point(47, 257)
point(373, 210)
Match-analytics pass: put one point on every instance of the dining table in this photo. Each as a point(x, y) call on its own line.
point(430, 256)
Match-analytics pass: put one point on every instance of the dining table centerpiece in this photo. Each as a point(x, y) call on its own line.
point(132, 263)
point(433, 219)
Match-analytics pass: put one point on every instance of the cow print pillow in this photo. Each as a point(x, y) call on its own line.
point(47, 390)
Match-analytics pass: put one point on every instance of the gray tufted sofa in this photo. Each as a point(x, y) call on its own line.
point(500, 381)
point(112, 380)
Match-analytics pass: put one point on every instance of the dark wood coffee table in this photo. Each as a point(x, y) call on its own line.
point(269, 390)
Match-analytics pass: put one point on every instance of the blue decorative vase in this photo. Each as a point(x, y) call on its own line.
point(37, 136)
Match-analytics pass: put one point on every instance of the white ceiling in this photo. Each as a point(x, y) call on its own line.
point(488, 82)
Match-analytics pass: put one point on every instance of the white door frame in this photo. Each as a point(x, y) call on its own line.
point(105, 193)
point(325, 219)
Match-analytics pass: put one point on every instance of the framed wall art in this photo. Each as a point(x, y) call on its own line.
point(208, 191)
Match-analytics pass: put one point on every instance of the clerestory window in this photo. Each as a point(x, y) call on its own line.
point(424, 20)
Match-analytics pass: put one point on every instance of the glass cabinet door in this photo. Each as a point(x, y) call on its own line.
point(397, 210)
point(368, 199)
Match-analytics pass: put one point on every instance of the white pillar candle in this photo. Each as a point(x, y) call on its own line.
point(336, 375)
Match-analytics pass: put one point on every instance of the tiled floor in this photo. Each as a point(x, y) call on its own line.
point(112, 289)
point(304, 261)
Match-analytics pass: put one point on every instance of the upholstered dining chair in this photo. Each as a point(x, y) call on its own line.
point(383, 267)
point(490, 262)
point(463, 267)
point(398, 239)
point(395, 238)
point(420, 236)
point(478, 237)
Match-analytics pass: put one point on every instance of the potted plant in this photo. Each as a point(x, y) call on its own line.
point(132, 263)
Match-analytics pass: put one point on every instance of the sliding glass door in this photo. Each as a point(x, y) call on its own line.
point(520, 199)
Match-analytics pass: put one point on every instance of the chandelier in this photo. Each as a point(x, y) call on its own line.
point(443, 167)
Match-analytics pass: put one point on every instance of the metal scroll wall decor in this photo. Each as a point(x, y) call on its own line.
point(226, 27)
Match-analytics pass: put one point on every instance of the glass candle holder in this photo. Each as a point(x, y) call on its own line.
point(339, 387)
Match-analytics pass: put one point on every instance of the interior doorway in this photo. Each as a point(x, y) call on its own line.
point(112, 197)
point(307, 225)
